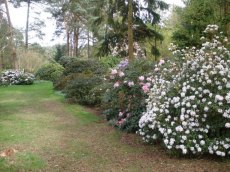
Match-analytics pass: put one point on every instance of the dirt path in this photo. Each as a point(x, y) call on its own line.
point(66, 138)
point(98, 147)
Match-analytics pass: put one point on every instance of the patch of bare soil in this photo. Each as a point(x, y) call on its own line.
point(8, 152)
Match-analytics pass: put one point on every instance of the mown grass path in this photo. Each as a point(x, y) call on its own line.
point(50, 135)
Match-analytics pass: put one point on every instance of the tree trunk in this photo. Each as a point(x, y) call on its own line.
point(88, 48)
point(1, 61)
point(226, 15)
point(155, 42)
point(130, 29)
point(67, 43)
point(76, 39)
point(71, 44)
point(14, 55)
point(27, 25)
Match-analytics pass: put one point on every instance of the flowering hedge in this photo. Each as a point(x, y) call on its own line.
point(124, 101)
point(190, 111)
point(15, 77)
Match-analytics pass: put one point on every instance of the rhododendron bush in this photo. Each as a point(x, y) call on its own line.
point(124, 100)
point(16, 77)
point(188, 107)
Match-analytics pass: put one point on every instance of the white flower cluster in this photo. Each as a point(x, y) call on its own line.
point(123, 48)
point(190, 111)
point(211, 29)
point(15, 77)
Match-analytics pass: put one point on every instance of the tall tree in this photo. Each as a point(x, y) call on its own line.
point(11, 36)
point(3, 38)
point(109, 23)
point(27, 25)
point(73, 18)
point(224, 9)
point(117, 30)
point(130, 29)
point(38, 23)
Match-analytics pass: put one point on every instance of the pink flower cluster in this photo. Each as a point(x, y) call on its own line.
point(145, 86)
point(122, 118)
point(117, 76)
point(121, 121)
point(114, 74)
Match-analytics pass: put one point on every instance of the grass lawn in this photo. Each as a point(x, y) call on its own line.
point(51, 135)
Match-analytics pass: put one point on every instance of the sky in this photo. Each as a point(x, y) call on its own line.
point(18, 17)
point(175, 2)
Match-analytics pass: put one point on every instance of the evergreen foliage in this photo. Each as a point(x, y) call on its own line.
point(194, 18)
point(113, 21)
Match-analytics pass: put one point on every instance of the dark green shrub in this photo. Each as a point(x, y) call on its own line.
point(82, 81)
point(97, 93)
point(84, 66)
point(51, 72)
point(64, 81)
point(82, 89)
point(60, 52)
point(110, 61)
point(64, 60)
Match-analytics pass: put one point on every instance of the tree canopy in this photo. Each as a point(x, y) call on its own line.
point(196, 15)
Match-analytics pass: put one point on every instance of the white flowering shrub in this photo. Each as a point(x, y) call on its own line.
point(190, 112)
point(15, 77)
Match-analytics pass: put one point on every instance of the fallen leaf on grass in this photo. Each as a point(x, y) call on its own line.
point(8, 152)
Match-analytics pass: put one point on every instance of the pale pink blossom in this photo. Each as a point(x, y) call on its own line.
point(114, 71)
point(121, 121)
point(120, 114)
point(149, 79)
point(141, 78)
point(121, 74)
point(130, 83)
point(161, 62)
point(145, 88)
point(156, 69)
point(148, 84)
point(117, 84)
